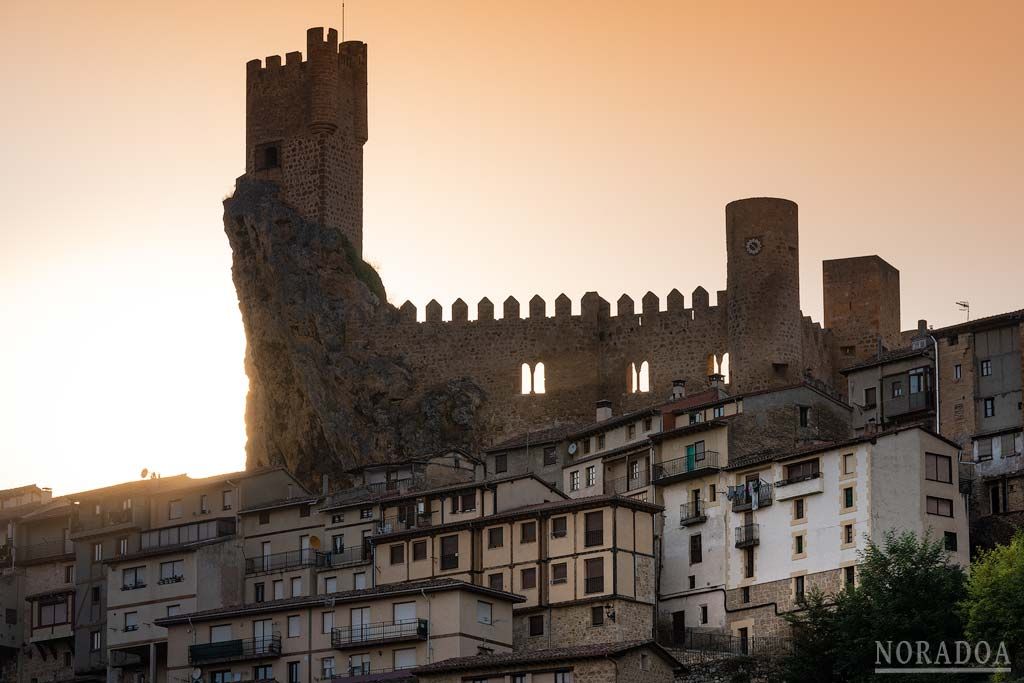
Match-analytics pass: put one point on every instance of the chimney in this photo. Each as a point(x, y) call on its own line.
point(323, 485)
point(604, 410)
point(679, 388)
point(715, 380)
point(871, 427)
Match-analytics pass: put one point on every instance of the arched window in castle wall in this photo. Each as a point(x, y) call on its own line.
point(532, 380)
point(723, 367)
point(639, 380)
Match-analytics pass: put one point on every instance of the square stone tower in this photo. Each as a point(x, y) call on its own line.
point(862, 306)
point(305, 130)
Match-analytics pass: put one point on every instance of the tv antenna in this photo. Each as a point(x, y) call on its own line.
point(965, 306)
point(343, 22)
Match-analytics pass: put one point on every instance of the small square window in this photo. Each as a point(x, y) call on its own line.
point(419, 551)
point(537, 625)
point(986, 368)
point(528, 532)
point(950, 541)
point(495, 537)
point(848, 497)
point(597, 615)
point(496, 581)
point(528, 578)
point(559, 573)
point(958, 371)
point(398, 554)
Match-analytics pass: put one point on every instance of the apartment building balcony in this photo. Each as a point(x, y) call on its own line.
point(358, 674)
point(184, 534)
point(346, 637)
point(909, 404)
point(393, 486)
point(799, 486)
point(681, 469)
point(395, 523)
point(280, 562)
point(623, 485)
point(235, 650)
point(692, 513)
point(747, 535)
point(744, 497)
point(44, 551)
point(341, 558)
point(111, 521)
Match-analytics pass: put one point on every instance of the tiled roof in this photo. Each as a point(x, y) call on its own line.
point(980, 323)
point(557, 654)
point(281, 503)
point(403, 588)
point(885, 357)
point(538, 437)
point(466, 485)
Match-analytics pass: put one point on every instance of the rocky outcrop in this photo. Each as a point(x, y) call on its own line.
point(319, 402)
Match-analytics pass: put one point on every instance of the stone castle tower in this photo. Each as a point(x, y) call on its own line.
point(315, 321)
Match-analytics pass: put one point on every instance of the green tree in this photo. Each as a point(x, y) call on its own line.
point(994, 607)
point(815, 640)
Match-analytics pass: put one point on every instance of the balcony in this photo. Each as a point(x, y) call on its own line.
point(681, 469)
point(593, 537)
point(342, 558)
point(797, 487)
point(364, 674)
point(395, 523)
point(593, 584)
point(47, 550)
point(744, 497)
point(747, 535)
point(235, 650)
point(393, 486)
point(626, 484)
point(280, 562)
point(186, 533)
point(375, 634)
point(692, 513)
point(86, 524)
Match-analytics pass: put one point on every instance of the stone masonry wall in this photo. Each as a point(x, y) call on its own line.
point(571, 625)
point(768, 600)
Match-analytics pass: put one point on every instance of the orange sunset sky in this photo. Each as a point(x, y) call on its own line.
point(515, 148)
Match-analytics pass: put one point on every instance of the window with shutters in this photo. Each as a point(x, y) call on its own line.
point(449, 552)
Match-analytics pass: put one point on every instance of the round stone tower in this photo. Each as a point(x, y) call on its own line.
point(762, 244)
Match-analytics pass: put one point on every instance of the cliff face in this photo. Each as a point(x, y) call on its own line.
point(319, 402)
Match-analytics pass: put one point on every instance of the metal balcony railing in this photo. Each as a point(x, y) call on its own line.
point(797, 479)
point(382, 632)
point(403, 522)
point(692, 512)
point(186, 533)
point(594, 584)
point(593, 537)
point(743, 498)
point(235, 650)
point(747, 535)
point(279, 562)
point(44, 550)
point(365, 673)
point(679, 468)
point(392, 486)
point(339, 558)
point(626, 484)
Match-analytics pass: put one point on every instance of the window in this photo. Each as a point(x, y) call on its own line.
point(172, 572)
point(798, 587)
point(808, 469)
point(850, 575)
point(586, 445)
point(304, 511)
point(338, 518)
point(712, 493)
point(537, 625)
point(279, 590)
point(550, 456)
point(938, 468)
point(634, 469)
point(597, 615)
point(398, 554)
point(958, 371)
point(805, 416)
point(132, 578)
point(173, 610)
point(870, 398)
point(53, 612)
point(696, 418)
point(697, 448)
point(227, 499)
point(69, 573)
point(943, 507)
point(419, 551)
point(984, 449)
point(327, 666)
point(96, 592)
point(484, 612)
point(559, 527)
point(293, 672)
point(95, 641)
point(131, 621)
point(264, 517)
point(594, 575)
point(798, 545)
point(449, 552)
point(264, 672)
point(696, 550)
point(631, 431)
point(204, 504)
point(122, 546)
point(501, 463)
point(847, 534)
point(950, 540)
point(359, 581)
point(986, 368)
point(798, 509)
point(648, 422)
point(591, 476)
point(718, 411)
point(528, 578)
point(464, 502)
point(989, 407)
point(496, 581)
point(748, 562)
point(745, 594)
point(267, 157)
point(692, 581)
point(294, 626)
point(848, 497)
point(331, 584)
point(897, 389)
point(593, 523)
point(574, 480)
point(338, 543)
point(496, 537)
point(559, 573)
point(326, 622)
point(563, 677)
point(259, 592)
point(600, 441)
point(97, 552)
point(703, 614)
point(174, 509)
point(528, 532)
point(849, 463)
point(366, 513)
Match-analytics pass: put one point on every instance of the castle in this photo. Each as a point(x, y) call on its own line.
point(305, 131)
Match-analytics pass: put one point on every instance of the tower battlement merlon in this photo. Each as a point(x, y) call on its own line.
point(306, 124)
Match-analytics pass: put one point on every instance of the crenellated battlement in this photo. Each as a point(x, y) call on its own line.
point(592, 306)
point(351, 54)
